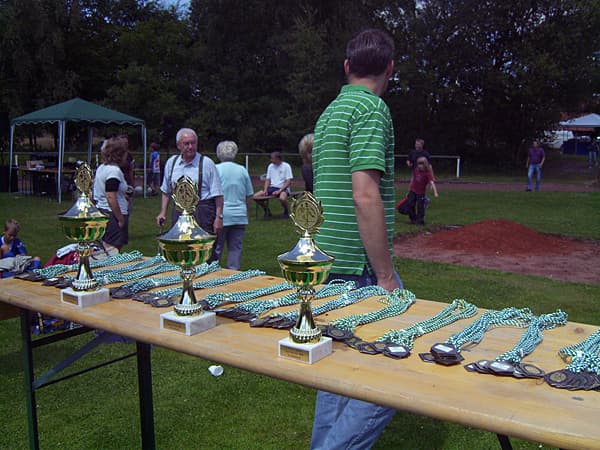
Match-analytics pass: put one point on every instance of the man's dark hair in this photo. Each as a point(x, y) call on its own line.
point(369, 52)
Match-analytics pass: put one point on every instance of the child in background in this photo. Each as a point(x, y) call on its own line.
point(421, 178)
point(11, 246)
point(154, 168)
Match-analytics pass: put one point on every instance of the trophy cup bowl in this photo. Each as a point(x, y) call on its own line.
point(186, 245)
point(305, 266)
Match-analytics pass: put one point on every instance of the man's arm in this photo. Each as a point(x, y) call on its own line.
point(286, 185)
point(266, 186)
point(370, 216)
point(162, 215)
point(218, 223)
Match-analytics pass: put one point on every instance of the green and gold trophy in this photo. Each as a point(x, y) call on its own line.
point(84, 223)
point(186, 244)
point(305, 266)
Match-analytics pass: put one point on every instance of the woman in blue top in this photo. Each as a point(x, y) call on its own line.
point(237, 189)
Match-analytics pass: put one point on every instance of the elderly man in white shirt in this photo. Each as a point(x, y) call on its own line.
point(202, 170)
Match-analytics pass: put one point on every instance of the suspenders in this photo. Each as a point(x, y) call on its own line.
point(172, 182)
point(206, 209)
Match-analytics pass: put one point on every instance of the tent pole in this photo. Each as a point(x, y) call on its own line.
point(145, 159)
point(90, 139)
point(61, 146)
point(10, 160)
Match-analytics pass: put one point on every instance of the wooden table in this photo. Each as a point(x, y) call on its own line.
point(525, 408)
point(39, 181)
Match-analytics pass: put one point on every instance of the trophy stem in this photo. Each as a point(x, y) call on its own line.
point(84, 281)
point(188, 305)
point(305, 331)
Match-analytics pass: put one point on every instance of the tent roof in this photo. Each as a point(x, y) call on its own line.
point(588, 121)
point(76, 110)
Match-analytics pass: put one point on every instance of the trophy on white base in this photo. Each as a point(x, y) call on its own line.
point(84, 223)
point(186, 244)
point(305, 266)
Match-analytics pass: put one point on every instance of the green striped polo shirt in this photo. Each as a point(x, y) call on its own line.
point(355, 132)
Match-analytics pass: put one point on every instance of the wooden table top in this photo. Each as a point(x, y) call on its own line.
point(524, 408)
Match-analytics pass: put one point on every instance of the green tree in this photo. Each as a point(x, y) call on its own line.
point(485, 77)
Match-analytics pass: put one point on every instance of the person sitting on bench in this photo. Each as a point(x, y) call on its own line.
point(277, 183)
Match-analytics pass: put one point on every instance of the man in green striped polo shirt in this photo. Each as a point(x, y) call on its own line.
point(353, 166)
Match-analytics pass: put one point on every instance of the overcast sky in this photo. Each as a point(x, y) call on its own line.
point(183, 4)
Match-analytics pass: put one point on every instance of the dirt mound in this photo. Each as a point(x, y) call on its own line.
point(499, 236)
point(507, 246)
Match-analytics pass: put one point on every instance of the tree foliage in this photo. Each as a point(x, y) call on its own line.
point(475, 78)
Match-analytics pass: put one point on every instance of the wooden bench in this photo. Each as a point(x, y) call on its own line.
point(263, 202)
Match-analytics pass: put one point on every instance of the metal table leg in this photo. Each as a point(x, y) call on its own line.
point(27, 357)
point(144, 365)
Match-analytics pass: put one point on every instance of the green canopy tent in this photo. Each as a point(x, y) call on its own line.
point(75, 110)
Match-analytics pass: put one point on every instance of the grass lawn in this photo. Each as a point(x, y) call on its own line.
point(241, 410)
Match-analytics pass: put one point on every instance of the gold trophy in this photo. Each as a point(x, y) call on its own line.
point(305, 266)
point(186, 244)
point(84, 223)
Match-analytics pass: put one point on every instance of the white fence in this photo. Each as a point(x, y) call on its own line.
point(293, 158)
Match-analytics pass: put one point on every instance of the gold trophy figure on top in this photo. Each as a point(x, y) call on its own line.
point(84, 223)
point(186, 244)
point(305, 266)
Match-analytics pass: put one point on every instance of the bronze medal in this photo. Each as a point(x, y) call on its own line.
point(161, 302)
point(427, 357)
point(525, 370)
point(353, 342)
point(367, 348)
point(121, 292)
point(559, 378)
point(337, 334)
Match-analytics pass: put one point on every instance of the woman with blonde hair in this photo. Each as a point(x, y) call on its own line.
point(305, 147)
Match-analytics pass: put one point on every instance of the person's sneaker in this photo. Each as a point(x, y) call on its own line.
point(527, 190)
point(286, 214)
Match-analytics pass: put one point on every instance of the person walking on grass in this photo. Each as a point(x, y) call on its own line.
point(535, 161)
point(422, 177)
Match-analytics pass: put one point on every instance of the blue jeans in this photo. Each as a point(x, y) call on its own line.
point(234, 236)
point(345, 423)
point(538, 178)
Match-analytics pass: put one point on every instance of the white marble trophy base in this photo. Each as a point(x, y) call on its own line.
point(188, 325)
point(306, 353)
point(84, 298)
